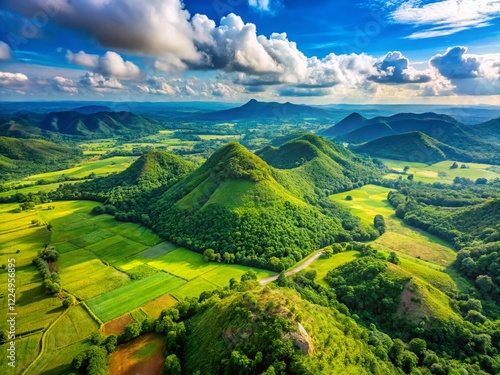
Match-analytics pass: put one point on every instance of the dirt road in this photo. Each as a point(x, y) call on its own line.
point(295, 270)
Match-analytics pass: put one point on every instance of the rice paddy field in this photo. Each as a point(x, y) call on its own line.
point(441, 172)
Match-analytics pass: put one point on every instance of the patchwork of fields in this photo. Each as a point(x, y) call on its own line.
point(441, 172)
point(115, 268)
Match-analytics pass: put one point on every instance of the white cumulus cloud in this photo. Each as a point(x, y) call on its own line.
point(110, 64)
point(14, 80)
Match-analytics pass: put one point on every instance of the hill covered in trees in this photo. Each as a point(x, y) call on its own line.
point(470, 143)
point(80, 125)
point(22, 157)
point(413, 146)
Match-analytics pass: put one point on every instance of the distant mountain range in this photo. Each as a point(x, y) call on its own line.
point(265, 110)
point(432, 136)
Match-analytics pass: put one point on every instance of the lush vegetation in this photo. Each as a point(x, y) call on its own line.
point(20, 157)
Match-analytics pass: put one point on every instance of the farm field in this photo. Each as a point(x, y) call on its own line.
point(26, 350)
point(119, 301)
point(36, 188)
point(441, 172)
point(399, 237)
point(100, 167)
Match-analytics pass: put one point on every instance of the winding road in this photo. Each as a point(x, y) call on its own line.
point(295, 270)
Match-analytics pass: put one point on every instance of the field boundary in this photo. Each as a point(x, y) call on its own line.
point(92, 314)
point(43, 342)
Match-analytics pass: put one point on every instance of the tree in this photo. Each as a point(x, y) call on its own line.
point(406, 169)
point(485, 283)
point(454, 165)
point(348, 198)
point(393, 258)
point(249, 275)
point(131, 331)
point(481, 181)
point(97, 338)
point(36, 222)
point(379, 223)
point(26, 206)
point(110, 343)
point(411, 177)
point(172, 365)
point(68, 301)
point(418, 346)
point(209, 255)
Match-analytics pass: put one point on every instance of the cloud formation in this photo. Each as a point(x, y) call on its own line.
point(5, 53)
point(109, 65)
point(13, 80)
point(188, 88)
point(395, 69)
point(446, 17)
point(65, 85)
point(99, 83)
point(455, 64)
point(149, 27)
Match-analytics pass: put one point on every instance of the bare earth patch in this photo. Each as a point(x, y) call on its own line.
point(117, 326)
point(143, 356)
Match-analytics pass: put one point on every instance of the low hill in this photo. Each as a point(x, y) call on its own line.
point(225, 203)
point(352, 122)
point(73, 123)
point(131, 188)
point(369, 133)
point(309, 165)
point(414, 146)
point(489, 130)
point(261, 331)
point(22, 157)
point(265, 110)
point(355, 121)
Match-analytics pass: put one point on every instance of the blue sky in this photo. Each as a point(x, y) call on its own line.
point(439, 51)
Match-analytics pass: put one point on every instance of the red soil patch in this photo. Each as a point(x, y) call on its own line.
point(154, 308)
point(117, 326)
point(143, 356)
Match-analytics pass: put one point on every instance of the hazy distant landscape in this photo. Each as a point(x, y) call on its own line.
point(250, 187)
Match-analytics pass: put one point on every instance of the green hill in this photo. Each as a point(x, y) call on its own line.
point(414, 146)
point(233, 204)
point(72, 123)
point(310, 166)
point(130, 191)
point(368, 133)
point(278, 332)
point(489, 130)
point(21, 157)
